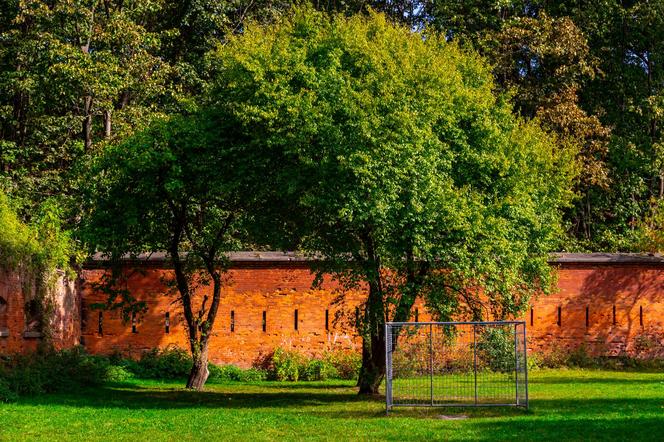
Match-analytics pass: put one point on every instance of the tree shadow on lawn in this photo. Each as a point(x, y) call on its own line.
point(342, 405)
point(130, 396)
point(559, 428)
point(276, 385)
point(592, 380)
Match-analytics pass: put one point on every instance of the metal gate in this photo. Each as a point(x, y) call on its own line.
point(456, 364)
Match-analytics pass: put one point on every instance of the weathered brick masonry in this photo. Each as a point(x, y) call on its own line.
point(610, 303)
point(63, 328)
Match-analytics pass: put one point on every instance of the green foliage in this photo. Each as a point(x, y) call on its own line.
point(650, 231)
point(52, 371)
point(286, 365)
point(584, 69)
point(590, 72)
point(174, 363)
point(17, 241)
point(7, 394)
point(169, 363)
point(291, 365)
point(644, 358)
point(391, 149)
point(396, 141)
point(320, 370)
point(116, 373)
point(346, 363)
point(172, 188)
point(495, 349)
point(42, 245)
point(226, 373)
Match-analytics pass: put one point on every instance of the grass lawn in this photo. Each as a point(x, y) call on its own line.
point(565, 405)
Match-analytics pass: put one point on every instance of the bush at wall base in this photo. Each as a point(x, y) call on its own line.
point(291, 365)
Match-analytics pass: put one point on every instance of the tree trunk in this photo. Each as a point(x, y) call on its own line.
point(199, 371)
point(107, 123)
point(373, 364)
point(87, 123)
point(372, 371)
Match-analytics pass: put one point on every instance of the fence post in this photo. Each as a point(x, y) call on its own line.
point(431, 359)
point(388, 366)
point(525, 363)
point(475, 361)
point(516, 366)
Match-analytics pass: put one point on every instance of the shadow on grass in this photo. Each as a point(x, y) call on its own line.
point(574, 429)
point(275, 385)
point(131, 396)
point(333, 404)
point(593, 380)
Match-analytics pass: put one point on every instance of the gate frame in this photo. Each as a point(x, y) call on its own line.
point(388, 363)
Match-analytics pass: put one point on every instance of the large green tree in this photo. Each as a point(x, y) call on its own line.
point(174, 188)
point(408, 176)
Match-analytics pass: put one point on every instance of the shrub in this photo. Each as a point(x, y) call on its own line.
point(581, 358)
point(555, 357)
point(175, 363)
point(234, 373)
point(118, 373)
point(287, 365)
point(6, 393)
point(347, 363)
point(290, 365)
point(320, 370)
point(168, 363)
point(495, 349)
point(51, 371)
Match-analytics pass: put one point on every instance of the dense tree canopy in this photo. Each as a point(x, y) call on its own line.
point(397, 156)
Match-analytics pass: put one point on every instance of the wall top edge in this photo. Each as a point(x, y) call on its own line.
point(274, 257)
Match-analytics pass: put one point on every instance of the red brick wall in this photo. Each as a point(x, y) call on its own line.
point(12, 321)
point(278, 288)
point(636, 292)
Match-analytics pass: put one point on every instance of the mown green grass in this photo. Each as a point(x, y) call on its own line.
point(565, 405)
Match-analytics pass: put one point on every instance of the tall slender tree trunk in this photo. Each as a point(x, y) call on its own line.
point(372, 371)
point(199, 371)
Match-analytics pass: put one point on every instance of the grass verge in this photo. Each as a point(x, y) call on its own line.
point(565, 405)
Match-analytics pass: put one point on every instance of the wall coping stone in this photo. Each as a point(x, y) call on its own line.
point(252, 257)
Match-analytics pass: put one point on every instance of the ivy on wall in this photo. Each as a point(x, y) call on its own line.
point(40, 252)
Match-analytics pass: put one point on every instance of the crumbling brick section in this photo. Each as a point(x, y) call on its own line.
point(16, 335)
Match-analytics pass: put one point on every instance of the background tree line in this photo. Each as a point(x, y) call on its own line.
point(78, 74)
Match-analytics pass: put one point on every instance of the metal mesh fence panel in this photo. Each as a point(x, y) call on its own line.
point(456, 364)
